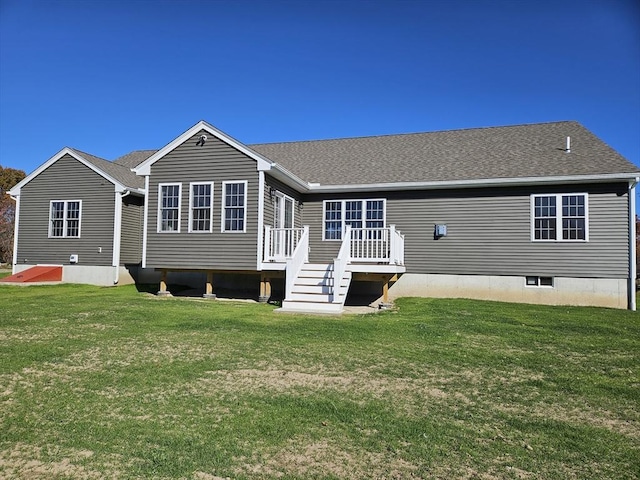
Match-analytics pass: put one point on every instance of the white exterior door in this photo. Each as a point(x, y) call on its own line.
point(283, 224)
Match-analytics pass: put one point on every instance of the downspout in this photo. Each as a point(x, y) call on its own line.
point(632, 244)
point(15, 234)
point(260, 239)
point(117, 234)
point(145, 221)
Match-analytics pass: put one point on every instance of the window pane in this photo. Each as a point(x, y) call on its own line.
point(545, 218)
point(65, 219)
point(57, 219)
point(546, 281)
point(353, 214)
point(545, 229)
point(234, 207)
point(170, 200)
point(574, 218)
point(201, 207)
point(375, 214)
point(333, 221)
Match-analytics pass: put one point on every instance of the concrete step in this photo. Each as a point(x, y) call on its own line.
point(311, 307)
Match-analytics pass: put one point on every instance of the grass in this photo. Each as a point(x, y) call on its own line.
point(112, 383)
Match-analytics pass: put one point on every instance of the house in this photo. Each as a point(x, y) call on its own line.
point(540, 213)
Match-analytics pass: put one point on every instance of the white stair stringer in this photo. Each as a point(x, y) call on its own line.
point(313, 290)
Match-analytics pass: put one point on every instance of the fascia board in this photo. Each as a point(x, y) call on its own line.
point(15, 191)
point(145, 167)
point(493, 182)
point(285, 176)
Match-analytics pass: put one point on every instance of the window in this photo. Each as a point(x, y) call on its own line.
point(64, 218)
point(332, 220)
point(560, 217)
point(201, 207)
point(169, 199)
point(369, 214)
point(539, 281)
point(234, 213)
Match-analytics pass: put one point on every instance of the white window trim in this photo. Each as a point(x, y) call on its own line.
point(284, 198)
point(64, 219)
point(559, 217)
point(224, 206)
point(159, 224)
point(343, 214)
point(538, 281)
point(190, 228)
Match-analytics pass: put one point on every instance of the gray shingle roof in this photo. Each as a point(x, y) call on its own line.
point(133, 159)
point(535, 150)
point(121, 173)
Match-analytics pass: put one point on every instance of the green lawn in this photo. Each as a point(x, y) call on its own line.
point(111, 383)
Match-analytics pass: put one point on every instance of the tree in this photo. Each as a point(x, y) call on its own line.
point(8, 178)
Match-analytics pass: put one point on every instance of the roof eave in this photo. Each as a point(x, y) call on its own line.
point(15, 191)
point(278, 172)
point(478, 183)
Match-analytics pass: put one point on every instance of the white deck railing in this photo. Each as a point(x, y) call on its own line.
point(379, 245)
point(340, 264)
point(280, 243)
point(298, 258)
point(364, 245)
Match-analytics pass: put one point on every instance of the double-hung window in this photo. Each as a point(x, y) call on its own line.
point(358, 214)
point(560, 217)
point(234, 202)
point(201, 207)
point(169, 201)
point(64, 218)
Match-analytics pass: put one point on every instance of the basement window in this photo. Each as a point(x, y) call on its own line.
point(533, 281)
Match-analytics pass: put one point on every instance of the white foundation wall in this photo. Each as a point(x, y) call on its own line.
point(89, 274)
point(597, 292)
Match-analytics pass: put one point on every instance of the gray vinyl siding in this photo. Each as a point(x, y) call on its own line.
point(489, 233)
point(214, 162)
point(131, 232)
point(67, 179)
point(269, 205)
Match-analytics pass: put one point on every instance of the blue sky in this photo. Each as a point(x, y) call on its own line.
point(109, 77)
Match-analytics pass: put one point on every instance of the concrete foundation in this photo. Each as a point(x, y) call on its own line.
point(597, 292)
point(103, 276)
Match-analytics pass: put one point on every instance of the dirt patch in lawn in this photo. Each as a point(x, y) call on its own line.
point(302, 458)
point(26, 461)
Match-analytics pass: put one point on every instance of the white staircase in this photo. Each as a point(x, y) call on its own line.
point(314, 290)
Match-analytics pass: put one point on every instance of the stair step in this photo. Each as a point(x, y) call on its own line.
point(310, 307)
point(318, 267)
point(311, 297)
point(312, 289)
point(314, 274)
point(313, 281)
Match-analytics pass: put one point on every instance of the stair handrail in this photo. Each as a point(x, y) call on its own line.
point(340, 263)
point(397, 246)
point(294, 264)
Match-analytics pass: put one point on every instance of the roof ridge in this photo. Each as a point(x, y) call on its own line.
point(418, 133)
point(87, 154)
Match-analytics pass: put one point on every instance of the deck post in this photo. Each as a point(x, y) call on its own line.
point(385, 291)
point(163, 292)
point(208, 293)
point(386, 280)
point(265, 288)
